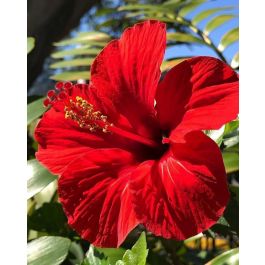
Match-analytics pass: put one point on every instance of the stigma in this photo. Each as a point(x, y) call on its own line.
point(77, 109)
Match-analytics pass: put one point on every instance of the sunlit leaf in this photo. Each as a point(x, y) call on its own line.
point(217, 22)
point(112, 254)
point(72, 63)
point(34, 110)
point(190, 239)
point(166, 65)
point(86, 37)
point(137, 255)
point(30, 44)
point(230, 257)
point(172, 3)
point(92, 259)
point(77, 51)
point(142, 7)
point(231, 160)
point(183, 37)
point(206, 13)
point(187, 8)
point(71, 76)
point(228, 39)
point(38, 177)
point(235, 61)
point(47, 250)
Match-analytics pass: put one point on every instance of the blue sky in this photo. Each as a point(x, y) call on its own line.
point(216, 35)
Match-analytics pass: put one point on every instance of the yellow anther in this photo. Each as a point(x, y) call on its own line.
point(83, 113)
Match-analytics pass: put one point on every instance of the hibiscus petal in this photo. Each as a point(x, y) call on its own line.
point(61, 141)
point(95, 196)
point(183, 193)
point(124, 76)
point(198, 94)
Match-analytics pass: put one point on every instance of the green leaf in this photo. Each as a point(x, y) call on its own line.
point(39, 178)
point(228, 39)
point(30, 44)
point(92, 259)
point(34, 110)
point(49, 218)
point(183, 37)
point(217, 22)
point(71, 76)
point(235, 61)
point(47, 250)
point(137, 255)
point(232, 210)
point(187, 8)
point(112, 254)
point(77, 51)
point(231, 127)
point(172, 3)
point(190, 239)
point(206, 13)
point(154, 8)
point(230, 257)
point(231, 160)
point(72, 63)
point(166, 65)
point(96, 38)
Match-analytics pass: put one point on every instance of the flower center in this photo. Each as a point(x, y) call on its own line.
point(84, 114)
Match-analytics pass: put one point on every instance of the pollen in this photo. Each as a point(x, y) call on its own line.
point(83, 113)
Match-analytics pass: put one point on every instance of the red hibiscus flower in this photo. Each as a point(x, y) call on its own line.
point(129, 149)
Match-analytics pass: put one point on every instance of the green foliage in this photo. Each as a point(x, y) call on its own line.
point(217, 22)
point(34, 110)
point(49, 218)
point(136, 256)
point(230, 257)
point(39, 177)
point(47, 250)
point(231, 159)
point(30, 44)
point(74, 63)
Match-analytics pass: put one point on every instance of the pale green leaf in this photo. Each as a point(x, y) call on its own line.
point(228, 39)
point(96, 38)
point(231, 159)
point(38, 177)
point(77, 51)
point(187, 8)
point(137, 255)
point(34, 110)
point(112, 254)
point(217, 22)
point(193, 238)
point(166, 65)
point(30, 44)
point(206, 13)
point(47, 250)
point(71, 76)
point(72, 63)
point(235, 61)
point(154, 8)
point(172, 3)
point(230, 257)
point(183, 37)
